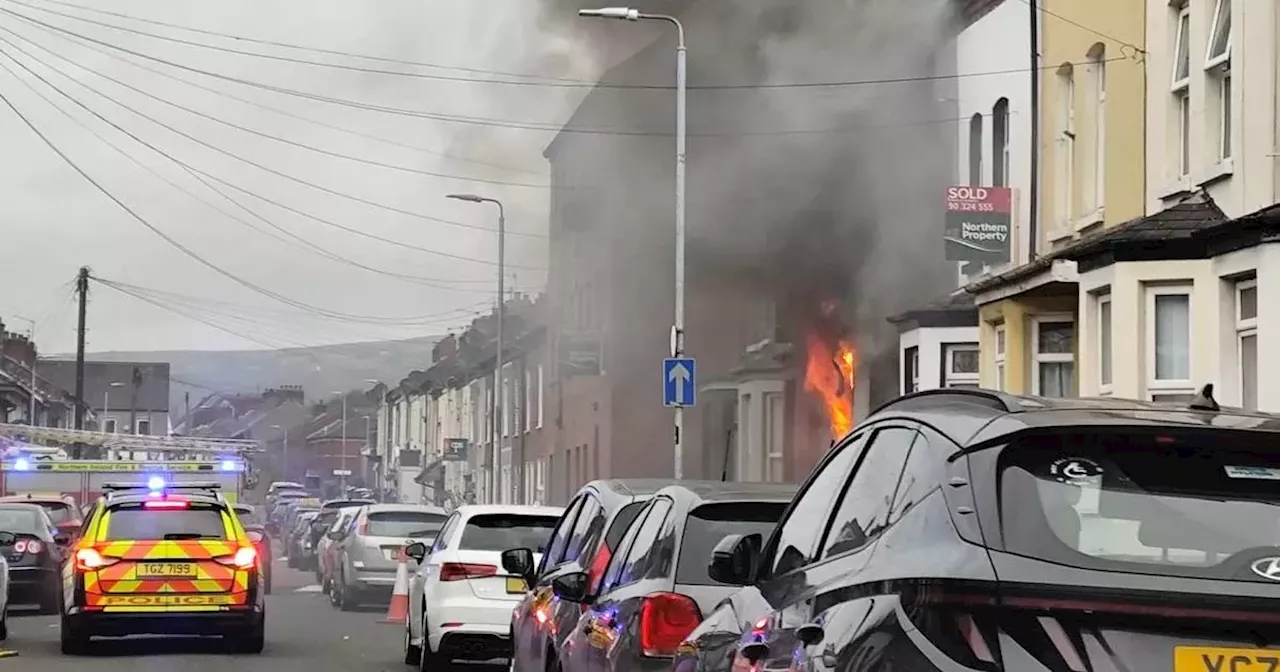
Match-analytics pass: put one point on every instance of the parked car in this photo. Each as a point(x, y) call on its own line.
point(35, 558)
point(972, 529)
point(657, 587)
point(256, 529)
point(297, 538)
point(328, 549)
point(460, 599)
point(368, 555)
point(585, 538)
point(62, 511)
point(7, 540)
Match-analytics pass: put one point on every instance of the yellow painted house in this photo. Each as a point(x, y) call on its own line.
point(1091, 177)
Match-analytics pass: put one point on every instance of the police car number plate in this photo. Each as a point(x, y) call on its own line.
point(166, 570)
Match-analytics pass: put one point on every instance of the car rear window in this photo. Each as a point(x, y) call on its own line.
point(1201, 504)
point(709, 523)
point(136, 522)
point(500, 531)
point(415, 524)
point(19, 521)
point(59, 512)
point(346, 503)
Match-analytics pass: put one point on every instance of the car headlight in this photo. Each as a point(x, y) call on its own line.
point(358, 564)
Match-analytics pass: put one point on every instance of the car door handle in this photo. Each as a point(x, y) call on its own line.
point(810, 634)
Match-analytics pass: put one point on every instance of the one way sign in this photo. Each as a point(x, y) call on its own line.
point(679, 381)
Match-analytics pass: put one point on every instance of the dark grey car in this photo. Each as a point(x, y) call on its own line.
point(657, 587)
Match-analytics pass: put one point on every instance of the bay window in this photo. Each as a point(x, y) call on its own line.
point(1053, 359)
point(1168, 341)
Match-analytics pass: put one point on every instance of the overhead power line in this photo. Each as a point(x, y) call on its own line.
point(516, 124)
point(180, 246)
point(507, 82)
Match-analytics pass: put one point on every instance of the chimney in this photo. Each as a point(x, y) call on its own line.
point(447, 347)
point(18, 347)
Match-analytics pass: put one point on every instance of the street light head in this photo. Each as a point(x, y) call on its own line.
point(470, 198)
point(624, 13)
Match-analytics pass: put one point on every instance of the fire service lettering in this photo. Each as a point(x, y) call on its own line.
point(979, 224)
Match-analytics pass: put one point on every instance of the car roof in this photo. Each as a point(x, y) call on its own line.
point(20, 506)
point(140, 498)
point(24, 499)
point(414, 508)
point(630, 487)
point(973, 417)
point(468, 510)
point(720, 491)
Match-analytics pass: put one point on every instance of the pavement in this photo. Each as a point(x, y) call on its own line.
point(304, 634)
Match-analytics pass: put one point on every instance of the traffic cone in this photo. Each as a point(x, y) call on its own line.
point(398, 610)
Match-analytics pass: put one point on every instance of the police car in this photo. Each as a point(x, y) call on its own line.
point(160, 559)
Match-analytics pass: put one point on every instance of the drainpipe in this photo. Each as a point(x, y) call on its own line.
point(1033, 228)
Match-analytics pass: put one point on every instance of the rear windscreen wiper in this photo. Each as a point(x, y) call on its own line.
point(177, 536)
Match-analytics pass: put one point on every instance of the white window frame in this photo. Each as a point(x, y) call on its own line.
point(1210, 60)
point(773, 451)
point(1245, 327)
point(1001, 348)
point(1107, 340)
point(137, 429)
point(1160, 388)
point(1181, 89)
point(949, 377)
point(542, 392)
point(504, 402)
point(913, 362)
point(1099, 128)
point(1184, 19)
point(528, 394)
point(109, 425)
point(1038, 358)
point(1066, 146)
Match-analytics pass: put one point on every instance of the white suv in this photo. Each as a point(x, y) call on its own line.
point(460, 599)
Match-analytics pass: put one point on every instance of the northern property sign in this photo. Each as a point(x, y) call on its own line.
point(979, 224)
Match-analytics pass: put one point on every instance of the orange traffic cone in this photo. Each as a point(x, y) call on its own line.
point(398, 610)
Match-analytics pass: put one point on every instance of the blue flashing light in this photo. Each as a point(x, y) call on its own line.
point(21, 464)
point(155, 483)
point(228, 465)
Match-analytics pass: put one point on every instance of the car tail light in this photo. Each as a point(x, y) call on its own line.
point(88, 559)
point(363, 529)
point(166, 504)
point(598, 565)
point(461, 571)
point(255, 536)
point(665, 620)
point(246, 557)
point(31, 546)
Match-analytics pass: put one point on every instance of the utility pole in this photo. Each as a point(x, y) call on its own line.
point(82, 289)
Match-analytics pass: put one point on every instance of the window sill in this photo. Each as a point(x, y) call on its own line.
point(1216, 173)
point(1095, 217)
point(1060, 232)
point(1175, 190)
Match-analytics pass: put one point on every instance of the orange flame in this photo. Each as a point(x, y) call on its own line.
point(829, 375)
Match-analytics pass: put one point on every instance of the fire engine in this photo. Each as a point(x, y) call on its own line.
point(27, 467)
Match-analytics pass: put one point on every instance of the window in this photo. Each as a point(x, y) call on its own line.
point(864, 511)
point(961, 362)
point(975, 150)
point(1000, 356)
point(639, 557)
point(795, 542)
point(1053, 373)
point(109, 426)
point(1182, 90)
point(1217, 64)
point(1219, 36)
point(1105, 365)
point(144, 428)
point(1247, 342)
point(1066, 144)
point(500, 531)
point(406, 524)
point(1168, 342)
point(1000, 143)
point(911, 370)
point(560, 538)
point(775, 433)
point(1098, 76)
point(540, 388)
point(132, 521)
point(505, 409)
point(708, 524)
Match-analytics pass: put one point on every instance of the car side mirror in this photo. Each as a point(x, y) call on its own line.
point(734, 560)
point(519, 561)
point(8, 538)
point(572, 587)
point(417, 550)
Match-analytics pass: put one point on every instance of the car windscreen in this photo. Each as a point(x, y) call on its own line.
point(1198, 504)
point(133, 521)
point(408, 524)
point(19, 520)
point(500, 531)
point(709, 523)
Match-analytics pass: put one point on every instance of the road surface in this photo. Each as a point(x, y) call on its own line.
point(304, 634)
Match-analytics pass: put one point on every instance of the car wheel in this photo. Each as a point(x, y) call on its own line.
point(74, 640)
point(254, 641)
point(412, 654)
point(4, 624)
point(348, 599)
point(431, 661)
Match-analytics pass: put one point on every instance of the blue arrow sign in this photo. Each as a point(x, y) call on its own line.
point(679, 381)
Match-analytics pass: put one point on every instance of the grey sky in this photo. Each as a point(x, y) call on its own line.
point(52, 221)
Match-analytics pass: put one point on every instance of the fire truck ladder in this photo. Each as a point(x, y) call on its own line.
point(168, 445)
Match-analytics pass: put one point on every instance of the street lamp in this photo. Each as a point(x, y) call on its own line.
point(497, 359)
point(677, 330)
point(31, 411)
point(284, 466)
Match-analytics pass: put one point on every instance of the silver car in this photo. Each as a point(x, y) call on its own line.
point(368, 561)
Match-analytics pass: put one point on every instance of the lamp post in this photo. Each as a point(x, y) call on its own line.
point(677, 329)
point(497, 359)
point(31, 410)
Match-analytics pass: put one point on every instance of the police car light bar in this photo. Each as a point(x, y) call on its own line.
point(158, 483)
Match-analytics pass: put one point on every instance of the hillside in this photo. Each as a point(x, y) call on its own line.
point(320, 370)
